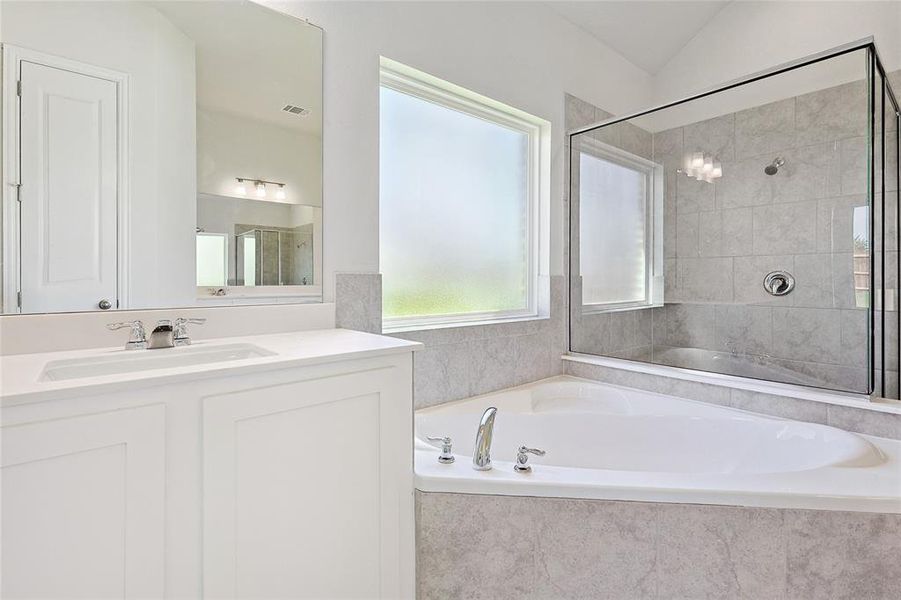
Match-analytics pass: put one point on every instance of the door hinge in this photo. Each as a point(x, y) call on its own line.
point(19, 88)
point(19, 299)
point(18, 192)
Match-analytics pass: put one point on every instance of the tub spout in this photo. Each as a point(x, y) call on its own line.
point(481, 456)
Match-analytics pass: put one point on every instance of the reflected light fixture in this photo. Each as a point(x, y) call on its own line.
point(702, 167)
point(260, 190)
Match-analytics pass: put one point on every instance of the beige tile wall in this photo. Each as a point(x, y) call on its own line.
point(459, 362)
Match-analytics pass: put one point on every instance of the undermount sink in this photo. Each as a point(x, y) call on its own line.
point(147, 360)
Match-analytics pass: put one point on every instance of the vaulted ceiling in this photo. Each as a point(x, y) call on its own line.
point(647, 33)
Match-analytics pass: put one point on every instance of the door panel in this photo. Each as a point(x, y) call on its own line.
point(69, 189)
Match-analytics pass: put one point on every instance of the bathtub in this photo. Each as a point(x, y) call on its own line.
point(615, 443)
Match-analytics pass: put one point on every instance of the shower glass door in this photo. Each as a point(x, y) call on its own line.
point(749, 231)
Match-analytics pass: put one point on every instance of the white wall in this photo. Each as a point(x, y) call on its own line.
point(749, 36)
point(136, 39)
point(524, 55)
point(229, 146)
point(521, 54)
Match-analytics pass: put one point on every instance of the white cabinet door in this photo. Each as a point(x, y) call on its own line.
point(307, 488)
point(69, 190)
point(83, 506)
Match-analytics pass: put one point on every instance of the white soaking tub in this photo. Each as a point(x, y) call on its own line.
point(616, 443)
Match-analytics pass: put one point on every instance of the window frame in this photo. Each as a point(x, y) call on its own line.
point(400, 78)
point(653, 211)
point(224, 238)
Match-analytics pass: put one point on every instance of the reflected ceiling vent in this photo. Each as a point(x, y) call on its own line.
point(296, 110)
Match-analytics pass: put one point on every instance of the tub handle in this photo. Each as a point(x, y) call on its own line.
point(778, 283)
point(446, 457)
point(522, 459)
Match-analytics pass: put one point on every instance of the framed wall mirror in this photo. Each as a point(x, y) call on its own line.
point(159, 155)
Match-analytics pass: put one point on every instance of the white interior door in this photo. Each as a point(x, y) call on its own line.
point(68, 162)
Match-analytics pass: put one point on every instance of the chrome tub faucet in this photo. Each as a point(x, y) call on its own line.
point(481, 456)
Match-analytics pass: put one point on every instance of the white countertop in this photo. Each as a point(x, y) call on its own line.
point(20, 374)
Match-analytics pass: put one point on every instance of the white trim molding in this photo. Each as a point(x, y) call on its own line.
point(409, 81)
point(653, 217)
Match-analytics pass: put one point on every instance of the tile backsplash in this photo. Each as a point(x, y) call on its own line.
point(459, 362)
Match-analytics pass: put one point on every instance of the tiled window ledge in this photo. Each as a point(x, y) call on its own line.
point(858, 401)
point(405, 328)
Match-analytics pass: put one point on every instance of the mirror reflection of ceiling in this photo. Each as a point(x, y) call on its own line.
point(256, 75)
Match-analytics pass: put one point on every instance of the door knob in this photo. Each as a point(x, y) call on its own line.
point(105, 304)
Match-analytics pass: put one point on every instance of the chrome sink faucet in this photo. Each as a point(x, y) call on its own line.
point(161, 336)
point(481, 456)
point(164, 335)
point(167, 334)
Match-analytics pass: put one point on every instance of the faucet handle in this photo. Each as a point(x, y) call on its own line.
point(194, 320)
point(446, 456)
point(137, 339)
point(180, 334)
point(522, 459)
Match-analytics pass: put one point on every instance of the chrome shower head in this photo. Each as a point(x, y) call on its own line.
point(773, 167)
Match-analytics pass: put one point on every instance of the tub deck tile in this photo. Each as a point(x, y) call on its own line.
point(499, 547)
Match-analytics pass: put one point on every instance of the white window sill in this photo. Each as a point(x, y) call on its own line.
point(597, 309)
point(406, 328)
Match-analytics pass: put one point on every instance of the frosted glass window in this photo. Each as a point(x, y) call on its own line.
point(455, 212)
point(250, 260)
point(212, 261)
point(860, 234)
point(613, 231)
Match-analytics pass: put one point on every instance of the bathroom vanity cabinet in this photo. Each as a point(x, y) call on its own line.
point(285, 476)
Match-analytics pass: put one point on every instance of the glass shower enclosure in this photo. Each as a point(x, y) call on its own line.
point(750, 230)
point(272, 256)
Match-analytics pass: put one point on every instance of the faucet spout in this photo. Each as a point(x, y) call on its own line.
point(481, 456)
